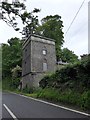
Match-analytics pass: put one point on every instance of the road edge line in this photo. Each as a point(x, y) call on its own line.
point(55, 105)
point(10, 112)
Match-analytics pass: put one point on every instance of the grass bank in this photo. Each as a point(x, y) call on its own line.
point(81, 100)
point(67, 98)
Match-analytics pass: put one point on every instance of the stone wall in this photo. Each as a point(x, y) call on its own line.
point(26, 60)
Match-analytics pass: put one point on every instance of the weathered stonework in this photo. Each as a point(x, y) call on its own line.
point(39, 58)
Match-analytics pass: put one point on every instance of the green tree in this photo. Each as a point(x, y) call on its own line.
point(11, 11)
point(69, 56)
point(11, 55)
point(51, 26)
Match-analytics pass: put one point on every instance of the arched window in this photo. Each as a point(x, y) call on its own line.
point(44, 52)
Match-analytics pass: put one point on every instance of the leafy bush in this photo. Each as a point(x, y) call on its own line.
point(44, 82)
point(70, 84)
point(78, 73)
point(27, 89)
point(15, 83)
point(85, 100)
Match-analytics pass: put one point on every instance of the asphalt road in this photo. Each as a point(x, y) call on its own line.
point(16, 106)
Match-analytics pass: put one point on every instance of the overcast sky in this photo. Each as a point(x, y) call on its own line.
point(77, 37)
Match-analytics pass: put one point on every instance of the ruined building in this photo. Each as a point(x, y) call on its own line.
point(39, 58)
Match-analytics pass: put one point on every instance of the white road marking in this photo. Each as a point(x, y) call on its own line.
point(10, 112)
point(56, 105)
point(83, 113)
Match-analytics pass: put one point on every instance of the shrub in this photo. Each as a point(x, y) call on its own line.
point(85, 100)
point(78, 73)
point(27, 89)
point(44, 82)
point(15, 83)
point(70, 84)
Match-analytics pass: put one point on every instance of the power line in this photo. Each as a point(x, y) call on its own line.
point(74, 17)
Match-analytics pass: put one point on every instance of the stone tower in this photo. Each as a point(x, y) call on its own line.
point(39, 58)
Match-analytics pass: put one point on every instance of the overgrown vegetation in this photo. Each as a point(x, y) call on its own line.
point(11, 84)
point(77, 74)
point(69, 85)
point(69, 97)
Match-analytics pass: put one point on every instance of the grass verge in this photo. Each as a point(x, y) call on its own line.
point(66, 98)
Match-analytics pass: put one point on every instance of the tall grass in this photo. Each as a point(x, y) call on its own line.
point(68, 97)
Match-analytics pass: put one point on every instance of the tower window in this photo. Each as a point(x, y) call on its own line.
point(44, 52)
point(44, 67)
